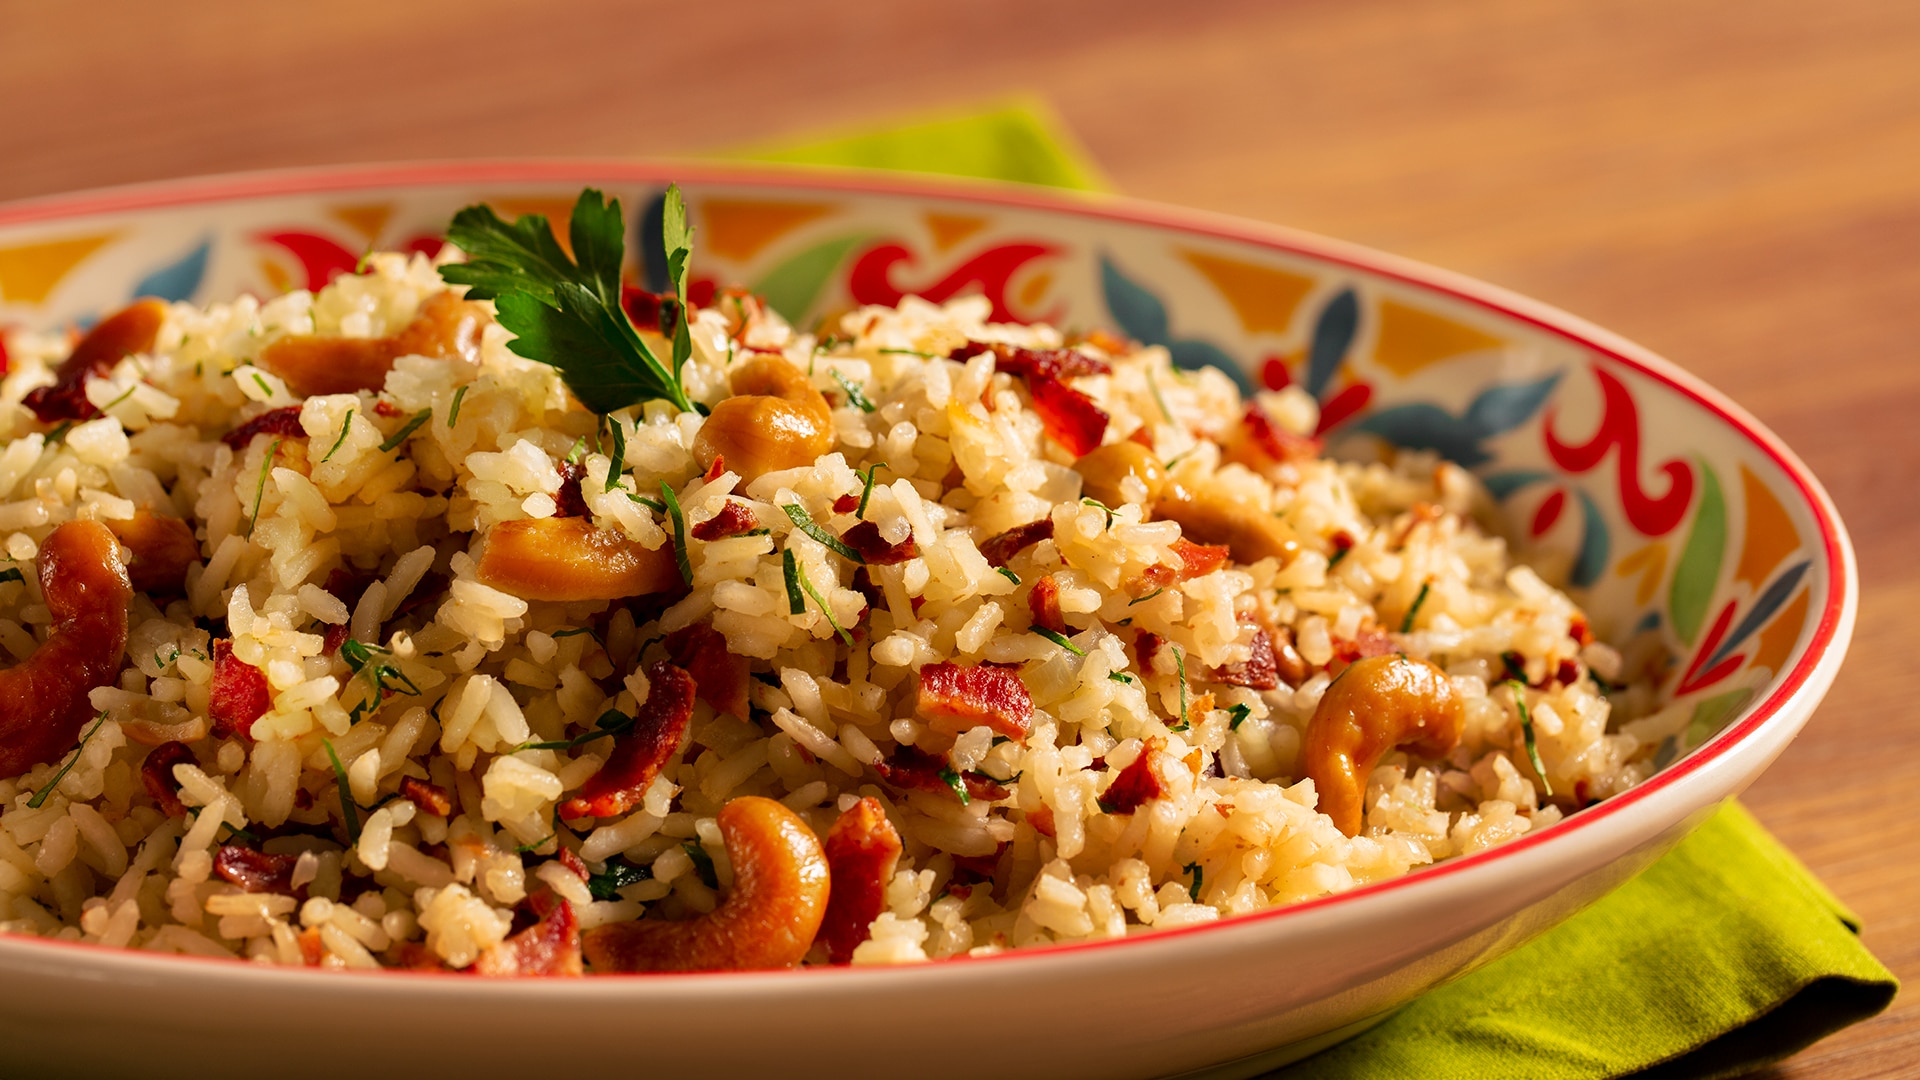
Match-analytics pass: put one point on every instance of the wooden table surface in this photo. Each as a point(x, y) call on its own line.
point(1735, 183)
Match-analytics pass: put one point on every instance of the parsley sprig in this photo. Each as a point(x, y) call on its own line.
point(567, 313)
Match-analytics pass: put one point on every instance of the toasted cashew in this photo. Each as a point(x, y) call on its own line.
point(43, 699)
point(569, 559)
point(1210, 518)
point(1377, 704)
point(775, 420)
point(446, 327)
point(163, 548)
point(768, 920)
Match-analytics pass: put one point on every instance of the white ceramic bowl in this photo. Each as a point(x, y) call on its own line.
point(1682, 520)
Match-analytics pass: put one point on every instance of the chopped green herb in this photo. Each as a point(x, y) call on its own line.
point(1238, 715)
point(1178, 458)
point(1406, 624)
point(260, 490)
point(1199, 876)
point(866, 489)
point(1121, 676)
point(1058, 639)
point(679, 532)
point(1526, 728)
point(577, 451)
point(522, 849)
point(1149, 596)
point(618, 460)
point(345, 426)
point(11, 573)
point(348, 809)
point(1098, 505)
point(1334, 559)
point(855, 395)
point(261, 381)
point(805, 523)
point(40, 797)
point(453, 410)
point(577, 631)
point(619, 874)
point(1180, 662)
point(193, 813)
point(758, 532)
point(911, 352)
point(124, 395)
point(1154, 386)
point(567, 313)
point(406, 429)
point(655, 505)
point(1008, 574)
point(702, 863)
point(958, 785)
point(796, 600)
point(611, 723)
point(369, 661)
point(59, 432)
point(796, 574)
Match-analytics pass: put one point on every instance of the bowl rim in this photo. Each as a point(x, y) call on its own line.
point(1825, 649)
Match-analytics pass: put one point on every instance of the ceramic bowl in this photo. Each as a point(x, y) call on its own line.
point(1685, 527)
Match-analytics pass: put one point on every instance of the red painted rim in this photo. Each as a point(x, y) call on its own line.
point(310, 181)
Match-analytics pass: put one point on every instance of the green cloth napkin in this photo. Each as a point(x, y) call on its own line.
point(1725, 955)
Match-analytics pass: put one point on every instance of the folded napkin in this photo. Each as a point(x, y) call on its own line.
point(1725, 955)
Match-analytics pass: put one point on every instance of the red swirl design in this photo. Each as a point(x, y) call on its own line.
point(871, 280)
point(1620, 426)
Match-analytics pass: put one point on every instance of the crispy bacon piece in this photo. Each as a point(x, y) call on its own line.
point(238, 693)
point(954, 698)
point(1044, 602)
point(163, 548)
point(430, 798)
point(1259, 671)
point(113, 339)
point(1041, 818)
point(719, 677)
point(1136, 785)
point(410, 955)
point(549, 948)
point(312, 949)
point(568, 501)
point(284, 421)
point(1268, 439)
point(1567, 673)
point(1370, 640)
point(865, 538)
point(255, 871)
point(1001, 549)
point(846, 504)
point(913, 769)
point(1034, 363)
point(732, 520)
point(572, 862)
point(1580, 632)
point(973, 869)
point(1068, 415)
point(650, 310)
point(156, 775)
point(862, 851)
point(1197, 560)
point(446, 327)
point(639, 754)
point(1146, 646)
point(335, 637)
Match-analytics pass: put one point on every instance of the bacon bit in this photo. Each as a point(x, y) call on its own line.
point(1423, 513)
point(863, 584)
point(865, 538)
point(312, 949)
point(732, 520)
point(913, 769)
point(1000, 550)
point(335, 637)
point(1276, 442)
point(1044, 602)
point(255, 871)
point(1580, 632)
point(1372, 641)
point(1580, 793)
point(1142, 435)
point(568, 501)
point(719, 677)
point(113, 339)
point(1034, 363)
point(238, 694)
point(978, 868)
point(428, 589)
point(156, 775)
point(550, 947)
point(410, 955)
point(1136, 785)
point(1041, 818)
point(1069, 416)
point(1567, 673)
point(650, 310)
point(283, 421)
point(1341, 540)
point(163, 548)
point(1260, 670)
point(862, 850)
point(430, 798)
point(572, 862)
point(1197, 560)
point(1146, 646)
point(639, 754)
point(386, 408)
point(846, 504)
point(302, 799)
point(955, 699)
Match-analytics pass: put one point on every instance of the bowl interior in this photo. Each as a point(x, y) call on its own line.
point(1694, 540)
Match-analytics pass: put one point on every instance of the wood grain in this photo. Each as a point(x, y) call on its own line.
point(1731, 183)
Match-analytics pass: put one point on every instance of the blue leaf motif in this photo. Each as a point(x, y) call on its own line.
point(1595, 546)
point(1506, 406)
point(1190, 353)
point(1139, 312)
point(1763, 609)
point(1333, 334)
point(1502, 485)
point(177, 280)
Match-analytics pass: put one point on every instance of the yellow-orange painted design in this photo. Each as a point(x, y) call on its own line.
point(1776, 641)
point(557, 210)
point(1264, 298)
point(1771, 536)
point(29, 272)
point(950, 229)
point(276, 276)
point(1650, 563)
point(369, 220)
point(1411, 339)
point(739, 229)
point(1036, 287)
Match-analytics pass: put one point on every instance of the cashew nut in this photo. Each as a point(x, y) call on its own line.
point(569, 559)
point(1376, 705)
point(775, 420)
point(1104, 470)
point(163, 547)
point(768, 920)
point(1207, 517)
point(43, 699)
point(446, 326)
